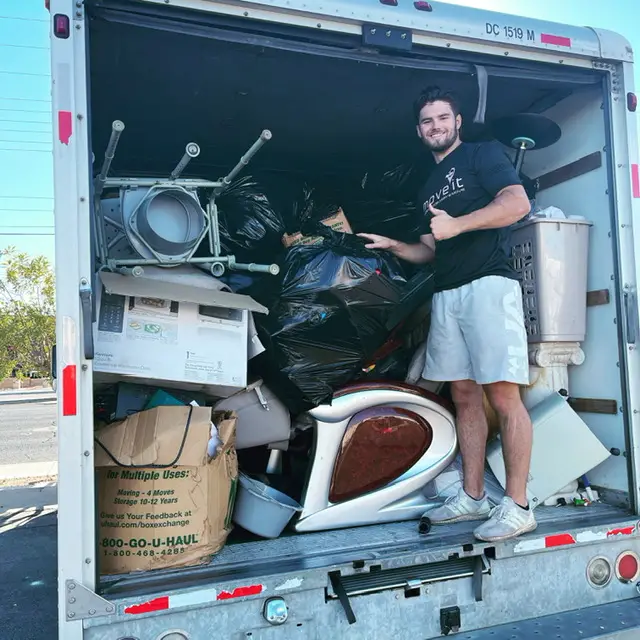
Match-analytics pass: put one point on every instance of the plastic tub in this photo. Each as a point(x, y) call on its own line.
point(261, 509)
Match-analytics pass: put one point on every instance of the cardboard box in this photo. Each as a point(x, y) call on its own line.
point(163, 503)
point(337, 222)
point(176, 327)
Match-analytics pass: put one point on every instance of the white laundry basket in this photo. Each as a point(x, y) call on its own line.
point(550, 257)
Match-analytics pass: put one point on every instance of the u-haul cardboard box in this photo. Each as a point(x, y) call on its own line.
point(162, 502)
point(174, 327)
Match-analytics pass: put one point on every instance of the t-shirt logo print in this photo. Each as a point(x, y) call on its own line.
point(453, 187)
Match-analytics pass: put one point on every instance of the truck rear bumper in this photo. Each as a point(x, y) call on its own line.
point(615, 621)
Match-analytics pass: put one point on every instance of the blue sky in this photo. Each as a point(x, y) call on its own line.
point(26, 178)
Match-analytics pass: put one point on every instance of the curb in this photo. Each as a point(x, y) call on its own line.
point(28, 471)
point(28, 400)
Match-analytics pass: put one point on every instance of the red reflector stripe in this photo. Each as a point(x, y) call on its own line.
point(559, 41)
point(635, 180)
point(627, 531)
point(158, 604)
point(559, 540)
point(69, 391)
point(241, 592)
point(205, 596)
point(65, 126)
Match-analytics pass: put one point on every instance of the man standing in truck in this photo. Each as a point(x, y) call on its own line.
point(477, 338)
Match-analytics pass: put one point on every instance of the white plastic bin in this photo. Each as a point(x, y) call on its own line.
point(261, 509)
point(550, 258)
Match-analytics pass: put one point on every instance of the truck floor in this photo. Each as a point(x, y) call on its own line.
point(291, 553)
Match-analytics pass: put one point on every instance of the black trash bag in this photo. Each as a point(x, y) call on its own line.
point(385, 202)
point(262, 287)
point(397, 220)
point(251, 228)
point(409, 326)
point(306, 212)
point(329, 319)
point(392, 366)
point(401, 182)
point(255, 212)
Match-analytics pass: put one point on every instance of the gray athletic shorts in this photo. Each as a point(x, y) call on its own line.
point(477, 333)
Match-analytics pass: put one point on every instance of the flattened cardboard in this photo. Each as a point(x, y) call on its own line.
point(162, 503)
point(185, 285)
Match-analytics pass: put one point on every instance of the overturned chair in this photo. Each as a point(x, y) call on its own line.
point(158, 221)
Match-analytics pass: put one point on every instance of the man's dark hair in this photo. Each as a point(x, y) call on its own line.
point(435, 94)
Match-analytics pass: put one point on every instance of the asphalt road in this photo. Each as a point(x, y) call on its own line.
point(28, 433)
point(28, 566)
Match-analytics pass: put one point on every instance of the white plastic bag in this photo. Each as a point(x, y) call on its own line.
point(550, 212)
point(214, 437)
point(416, 367)
point(448, 483)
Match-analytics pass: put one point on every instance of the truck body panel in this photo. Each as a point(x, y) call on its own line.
point(229, 594)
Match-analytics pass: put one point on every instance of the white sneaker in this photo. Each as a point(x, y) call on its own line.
point(507, 520)
point(458, 508)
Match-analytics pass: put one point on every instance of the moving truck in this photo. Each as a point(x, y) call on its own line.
point(334, 81)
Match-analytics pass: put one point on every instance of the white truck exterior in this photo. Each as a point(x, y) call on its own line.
point(446, 582)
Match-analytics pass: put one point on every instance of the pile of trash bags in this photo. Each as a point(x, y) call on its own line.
point(337, 310)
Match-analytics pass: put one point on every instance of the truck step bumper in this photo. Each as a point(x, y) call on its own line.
point(616, 621)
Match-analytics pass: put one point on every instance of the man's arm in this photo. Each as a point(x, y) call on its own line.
point(510, 205)
point(499, 178)
point(418, 253)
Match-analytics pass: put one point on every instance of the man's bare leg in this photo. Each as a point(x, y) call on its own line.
point(469, 503)
point(471, 424)
point(516, 432)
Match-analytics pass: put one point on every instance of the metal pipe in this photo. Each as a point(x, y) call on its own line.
point(127, 262)
point(215, 228)
point(210, 205)
point(273, 269)
point(136, 272)
point(274, 465)
point(192, 150)
point(265, 136)
point(117, 127)
point(216, 269)
point(187, 183)
point(520, 157)
point(102, 249)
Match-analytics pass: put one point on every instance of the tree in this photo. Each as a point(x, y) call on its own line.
point(27, 313)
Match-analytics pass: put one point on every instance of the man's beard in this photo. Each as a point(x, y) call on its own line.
point(443, 145)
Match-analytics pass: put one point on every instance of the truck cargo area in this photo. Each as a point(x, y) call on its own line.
point(336, 108)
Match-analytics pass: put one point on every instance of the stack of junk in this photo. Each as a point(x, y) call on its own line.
point(258, 370)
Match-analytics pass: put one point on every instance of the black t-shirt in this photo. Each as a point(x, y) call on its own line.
point(466, 180)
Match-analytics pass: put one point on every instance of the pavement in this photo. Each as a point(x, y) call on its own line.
point(28, 562)
point(28, 515)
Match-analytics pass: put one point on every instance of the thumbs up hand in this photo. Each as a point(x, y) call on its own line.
point(443, 226)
